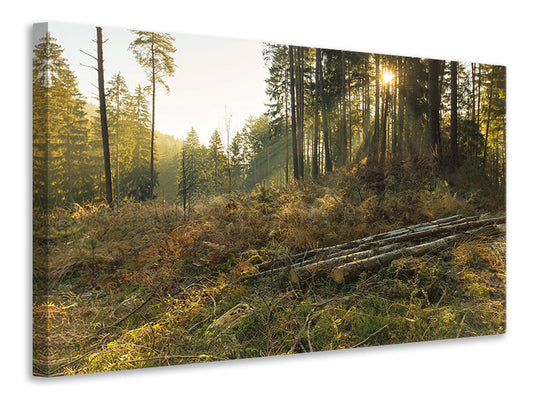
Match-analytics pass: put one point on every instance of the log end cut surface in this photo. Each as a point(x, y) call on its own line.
point(338, 275)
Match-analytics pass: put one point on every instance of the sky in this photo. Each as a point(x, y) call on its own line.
point(213, 76)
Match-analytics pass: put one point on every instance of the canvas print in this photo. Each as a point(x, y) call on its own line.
point(199, 199)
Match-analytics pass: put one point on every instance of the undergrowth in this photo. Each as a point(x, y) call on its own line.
point(140, 285)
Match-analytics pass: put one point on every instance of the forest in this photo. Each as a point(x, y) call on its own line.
point(147, 245)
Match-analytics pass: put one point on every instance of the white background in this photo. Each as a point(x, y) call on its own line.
point(482, 31)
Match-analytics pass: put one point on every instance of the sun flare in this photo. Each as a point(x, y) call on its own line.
point(387, 76)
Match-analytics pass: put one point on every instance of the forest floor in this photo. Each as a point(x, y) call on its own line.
point(139, 285)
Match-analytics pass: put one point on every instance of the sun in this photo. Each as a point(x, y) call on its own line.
point(387, 76)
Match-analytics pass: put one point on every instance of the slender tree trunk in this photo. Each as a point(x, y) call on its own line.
point(473, 69)
point(328, 166)
point(117, 193)
point(350, 125)
point(401, 108)
point(366, 103)
point(383, 150)
point(343, 134)
point(268, 156)
point(375, 139)
point(488, 118)
point(453, 114)
point(153, 124)
point(184, 190)
point(394, 147)
point(227, 123)
point(103, 119)
point(68, 161)
point(230, 173)
point(293, 114)
point(317, 117)
point(300, 104)
point(479, 96)
point(434, 106)
point(286, 138)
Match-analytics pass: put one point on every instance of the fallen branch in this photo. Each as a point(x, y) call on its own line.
point(372, 335)
point(323, 303)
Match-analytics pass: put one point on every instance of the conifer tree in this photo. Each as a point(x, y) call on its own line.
point(153, 51)
point(60, 128)
point(139, 179)
point(192, 177)
point(117, 97)
point(215, 162)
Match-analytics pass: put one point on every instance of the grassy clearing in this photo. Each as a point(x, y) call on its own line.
point(140, 286)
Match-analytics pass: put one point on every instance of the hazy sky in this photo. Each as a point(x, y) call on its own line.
point(212, 75)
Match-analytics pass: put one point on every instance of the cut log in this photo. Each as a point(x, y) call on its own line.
point(375, 238)
point(367, 247)
point(323, 268)
point(373, 241)
point(296, 258)
point(351, 271)
point(449, 228)
point(315, 269)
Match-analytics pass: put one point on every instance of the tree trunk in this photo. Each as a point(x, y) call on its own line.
point(300, 104)
point(103, 119)
point(117, 192)
point(328, 166)
point(375, 138)
point(434, 106)
point(488, 118)
point(293, 114)
point(343, 133)
point(227, 122)
point(317, 116)
point(268, 156)
point(400, 109)
point(184, 191)
point(153, 124)
point(366, 114)
point(453, 115)
point(473, 69)
point(479, 96)
point(286, 138)
point(394, 116)
point(383, 150)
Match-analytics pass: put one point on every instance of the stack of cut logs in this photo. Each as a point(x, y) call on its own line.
point(346, 261)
